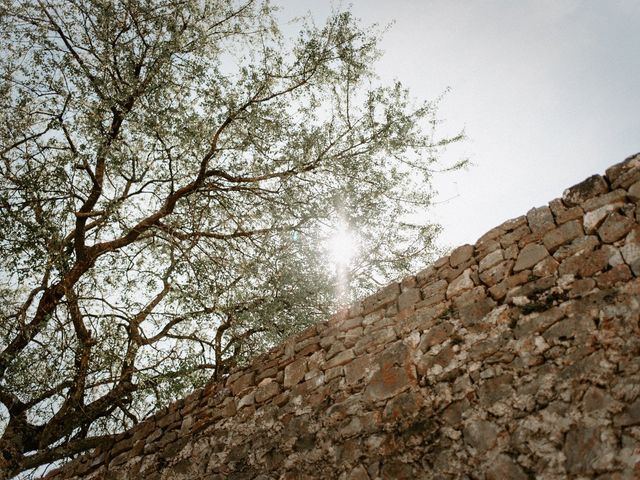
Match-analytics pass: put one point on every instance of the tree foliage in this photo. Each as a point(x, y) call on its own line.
point(169, 171)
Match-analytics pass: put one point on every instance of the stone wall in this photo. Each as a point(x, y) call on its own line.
point(514, 358)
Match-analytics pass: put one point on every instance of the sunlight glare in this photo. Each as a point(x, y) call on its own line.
point(342, 246)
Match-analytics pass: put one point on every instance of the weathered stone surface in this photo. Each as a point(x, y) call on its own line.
point(540, 220)
point(593, 219)
point(480, 434)
point(615, 226)
point(497, 273)
point(615, 197)
point(491, 260)
point(582, 448)
point(463, 371)
point(529, 256)
point(503, 468)
point(563, 234)
point(460, 284)
point(591, 187)
point(436, 335)
point(294, 372)
point(631, 251)
point(408, 298)
point(381, 298)
point(460, 255)
point(340, 359)
point(627, 174)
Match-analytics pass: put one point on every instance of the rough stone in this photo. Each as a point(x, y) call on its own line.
point(460, 284)
point(496, 273)
point(480, 434)
point(294, 372)
point(540, 220)
point(408, 298)
point(460, 255)
point(593, 219)
point(615, 197)
point(563, 234)
point(631, 251)
point(529, 256)
point(591, 187)
point(491, 260)
point(503, 468)
point(614, 227)
point(491, 375)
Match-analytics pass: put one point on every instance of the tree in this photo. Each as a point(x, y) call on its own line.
point(168, 172)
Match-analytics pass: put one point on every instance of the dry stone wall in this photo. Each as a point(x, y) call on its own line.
point(514, 358)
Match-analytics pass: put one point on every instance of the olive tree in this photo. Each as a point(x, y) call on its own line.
point(169, 171)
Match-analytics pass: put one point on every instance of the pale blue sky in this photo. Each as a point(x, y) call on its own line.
point(547, 91)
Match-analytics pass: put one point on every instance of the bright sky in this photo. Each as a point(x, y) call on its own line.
point(546, 90)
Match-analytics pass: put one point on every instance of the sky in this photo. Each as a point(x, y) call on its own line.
point(547, 92)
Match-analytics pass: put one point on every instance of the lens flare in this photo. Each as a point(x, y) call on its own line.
point(342, 246)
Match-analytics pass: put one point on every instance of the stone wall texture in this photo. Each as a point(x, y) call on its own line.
point(514, 358)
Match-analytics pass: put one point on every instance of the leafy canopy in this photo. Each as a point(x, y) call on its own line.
point(169, 173)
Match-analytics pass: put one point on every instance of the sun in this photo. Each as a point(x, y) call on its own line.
point(342, 245)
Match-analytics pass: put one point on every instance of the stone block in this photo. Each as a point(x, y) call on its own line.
point(616, 196)
point(529, 256)
point(460, 255)
point(473, 312)
point(408, 298)
point(504, 467)
point(497, 273)
point(359, 368)
point(594, 218)
point(480, 434)
point(341, 358)
point(388, 382)
point(582, 448)
point(496, 389)
point(634, 192)
point(513, 223)
point(615, 226)
point(589, 188)
point(626, 173)
point(243, 382)
point(540, 220)
point(491, 260)
point(380, 299)
point(563, 234)
point(435, 335)
point(266, 390)
point(515, 236)
point(631, 251)
point(545, 267)
point(460, 284)
point(294, 372)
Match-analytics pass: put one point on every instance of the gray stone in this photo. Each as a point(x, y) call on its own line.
point(631, 251)
point(480, 434)
point(460, 284)
point(491, 260)
point(540, 220)
point(529, 256)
